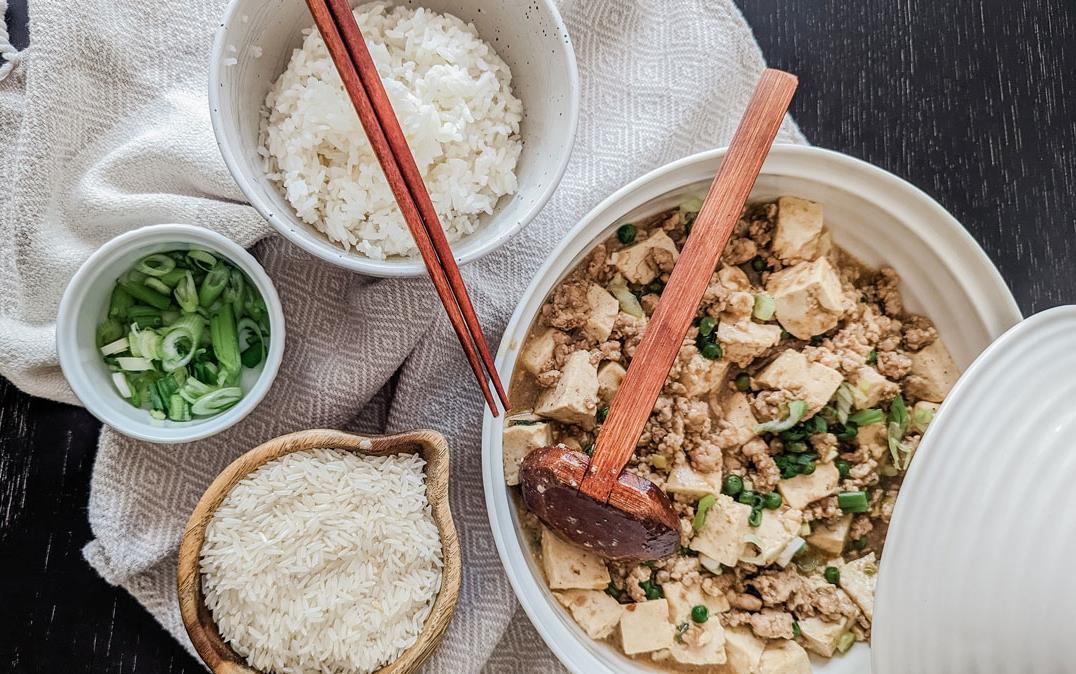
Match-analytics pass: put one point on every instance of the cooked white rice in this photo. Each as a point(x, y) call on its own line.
point(323, 561)
point(452, 94)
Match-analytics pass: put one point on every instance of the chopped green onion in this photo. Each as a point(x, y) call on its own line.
point(843, 402)
point(145, 294)
point(204, 260)
point(107, 332)
point(112, 348)
point(213, 285)
point(796, 631)
point(603, 413)
point(626, 233)
point(796, 410)
point(144, 317)
point(867, 417)
point(921, 418)
point(133, 364)
point(692, 205)
point(797, 447)
point(832, 575)
point(222, 329)
point(156, 284)
point(699, 613)
point(253, 355)
point(872, 357)
point(216, 401)
point(896, 430)
point(173, 354)
point(120, 380)
point(853, 501)
point(733, 485)
point(172, 278)
point(186, 293)
point(845, 642)
point(155, 265)
point(765, 306)
point(843, 467)
point(144, 343)
point(705, 503)
point(755, 518)
point(120, 301)
point(178, 410)
point(816, 424)
point(629, 303)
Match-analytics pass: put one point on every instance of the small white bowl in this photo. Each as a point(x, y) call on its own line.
point(873, 214)
point(254, 44)
point(85, 304)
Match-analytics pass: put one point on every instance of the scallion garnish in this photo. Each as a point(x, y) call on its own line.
point(796, 410)
point(705, 503)
point(853, 501)
point(867, 416)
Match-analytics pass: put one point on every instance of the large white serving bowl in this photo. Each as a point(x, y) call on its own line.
point(874, 215)
point(255, 41)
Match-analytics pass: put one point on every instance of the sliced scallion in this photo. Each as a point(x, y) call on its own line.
point(157, 284)
point(853, 501)
point(202, 259)
point(155, 265)
point(867, 416)
point(765, 306)
point(112, 348)
point(704, 505)
point(216, 401)
point(796, 410)
point(134, 364)
point(120, 380)
point(186, 293)
point(213, 285)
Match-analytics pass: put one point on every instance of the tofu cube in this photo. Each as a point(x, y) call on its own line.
point(743, 651)
point(645, 627)
point(524, 433)
point(744, 341)
point(812, 383)
point(682, 598)
point(858, 579)
point(710, 649)
point(875, 437)
point(802, 490)
point(721, 536)
point(831, 536)
point(733, 278)
point(684, 479)
point(593, 610)
point(808, 297)
point(784, 657)
point(700, 375)
point(798, 231)
point(770, 538)
point(574, 398)
point(821, 636)
point(538, 351)
point(569, 567)
point(610, 375)
point(635, 263)
point(933, 373)
point(870, 388)
point(735, 409)
point(603, 310)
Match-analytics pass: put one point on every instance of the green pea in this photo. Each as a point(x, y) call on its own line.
point(700, 613)
point(746, 497)
point(743, 382)
point(842, 467)
point(758, 264)
point(712, 350)
point(832, 575)
point(796, 447)
point(772, 501)
point(656, 287)
point(732, 486)
point(626, 233)
point(603, 414)
point(707, 325)
point(807, 468)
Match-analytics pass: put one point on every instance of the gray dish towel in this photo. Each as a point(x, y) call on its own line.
point(104, 127)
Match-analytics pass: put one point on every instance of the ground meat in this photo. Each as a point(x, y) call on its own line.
point(568, 309)
point(681, 568)
point(663, 260)
point(822, 509)
point(739, 250)
point(596, 267)
point(610, 350)
point(638, 575)
point(628, 330)
point(771, 624)
point(766, 474)
point(861, 526)
point(825, 445)
point(650, 302)
point(885, 289)
point(767, 405)
point(744, 601)
point(893, 364)
point(816, 597)
point(738, 306)
point(919, 332)
point(775, 587)
point(761, 225)
point(548, 378)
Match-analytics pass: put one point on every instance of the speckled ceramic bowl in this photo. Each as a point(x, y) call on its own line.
point(255, 41)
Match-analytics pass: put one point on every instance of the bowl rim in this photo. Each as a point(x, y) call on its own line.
point(285, 223)
point(874, 184)
point(73, 303)
point(198, 620)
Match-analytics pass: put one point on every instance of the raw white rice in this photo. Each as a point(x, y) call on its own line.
point(323, 561)
point(452, 94)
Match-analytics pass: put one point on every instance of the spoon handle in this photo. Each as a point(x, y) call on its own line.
point(710, 232)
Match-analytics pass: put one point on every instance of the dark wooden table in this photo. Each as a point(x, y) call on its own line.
point(973, 101)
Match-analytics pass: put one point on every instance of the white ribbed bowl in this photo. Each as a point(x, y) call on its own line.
point(531, 38)
point(977, 572)
point(873, 214)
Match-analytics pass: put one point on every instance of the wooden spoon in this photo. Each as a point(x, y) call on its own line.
point(592, 501)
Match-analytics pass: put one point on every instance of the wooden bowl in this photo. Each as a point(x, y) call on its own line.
point(197, 618)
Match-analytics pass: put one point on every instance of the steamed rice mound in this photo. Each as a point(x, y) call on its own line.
point(452, 94)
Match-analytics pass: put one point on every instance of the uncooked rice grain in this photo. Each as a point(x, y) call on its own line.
point(452, 94)
point(323, 561)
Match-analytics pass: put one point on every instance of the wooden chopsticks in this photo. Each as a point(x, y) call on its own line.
point(336, 23)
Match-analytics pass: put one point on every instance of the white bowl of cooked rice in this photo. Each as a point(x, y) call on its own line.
point(487, 94)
